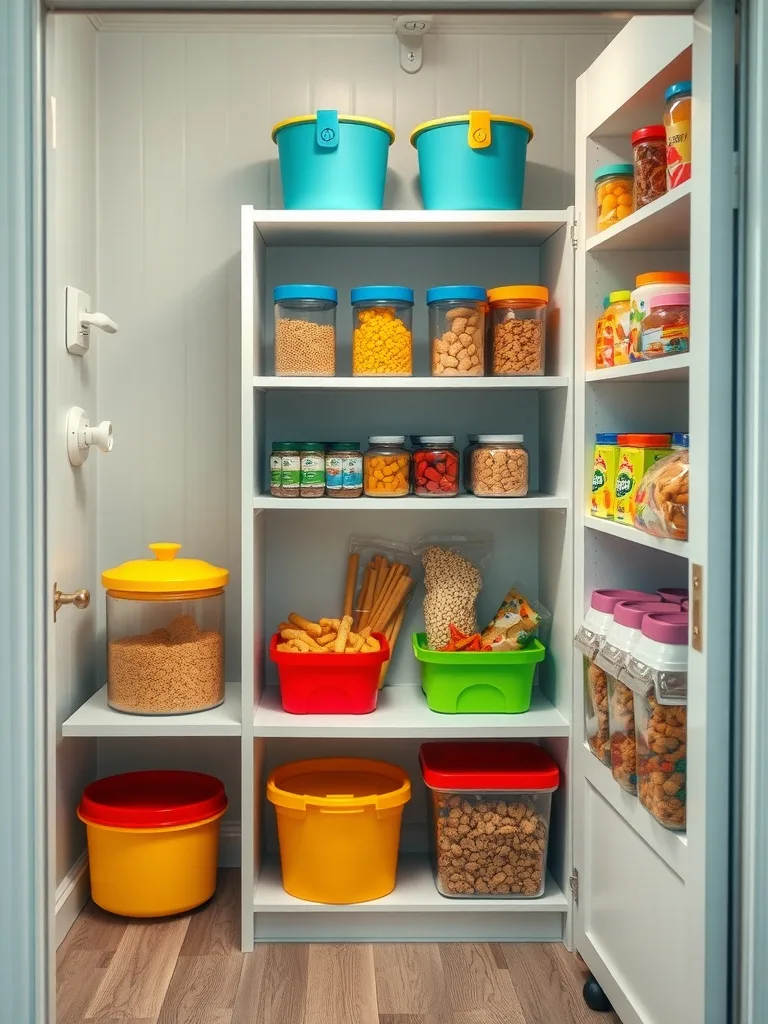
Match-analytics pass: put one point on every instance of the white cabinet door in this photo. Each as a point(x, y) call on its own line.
point(652, 913)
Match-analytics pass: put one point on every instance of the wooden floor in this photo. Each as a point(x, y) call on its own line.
point(189, 970)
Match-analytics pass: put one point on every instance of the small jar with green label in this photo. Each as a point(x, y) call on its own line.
point(285, 469)
point(312, 476)
point(343, 469)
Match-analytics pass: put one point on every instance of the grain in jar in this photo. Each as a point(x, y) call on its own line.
point(386, 467)
point(614, 185)
point(305, 330)
point(284, 469)
point(457, 330)
point(518, 330)
point(343, 469)
point(312, 472)
point(165, 643)
point(382, 342)
point(498, 466)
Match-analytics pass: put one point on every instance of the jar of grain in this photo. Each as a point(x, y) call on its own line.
point(165, 634)
point(499, 466)
point(284, 469)
point(305, 330)
point(457, 330)
point(312, 473)
point(518, 330)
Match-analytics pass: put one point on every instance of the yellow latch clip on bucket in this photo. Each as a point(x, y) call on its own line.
point(479, 135)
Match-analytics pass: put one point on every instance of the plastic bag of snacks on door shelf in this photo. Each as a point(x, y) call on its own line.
point(515, 623)
point(452, 581)
point(661, 502)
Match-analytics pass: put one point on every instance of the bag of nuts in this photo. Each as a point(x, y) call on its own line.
point(452, 582)
point(661, 502)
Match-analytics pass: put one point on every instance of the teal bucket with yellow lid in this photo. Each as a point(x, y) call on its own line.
point(473, 161)
point(333, 161)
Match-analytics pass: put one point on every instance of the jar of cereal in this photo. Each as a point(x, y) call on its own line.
point(499, 466)
point(305, 330)
point(382, 343)
point(518, 330)
point(386, 467)
point(457, 329)
point(613, 194)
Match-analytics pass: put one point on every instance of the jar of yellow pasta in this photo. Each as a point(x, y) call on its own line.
point(614, 185)
point(382, 342)
point(386, 467)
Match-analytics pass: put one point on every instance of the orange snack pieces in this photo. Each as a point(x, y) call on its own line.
point(386, 467)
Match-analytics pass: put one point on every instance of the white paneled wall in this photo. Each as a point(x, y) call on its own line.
point(185, 108)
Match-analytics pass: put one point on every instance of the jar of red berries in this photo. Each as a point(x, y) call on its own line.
point(435, 463)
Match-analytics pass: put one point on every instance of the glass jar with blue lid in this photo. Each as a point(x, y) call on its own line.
point(305, 330)
point(457, 330)
point(382, 339)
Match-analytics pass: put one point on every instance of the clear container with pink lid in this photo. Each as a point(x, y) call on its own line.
point(657, 673)
point(673, 595)
point(588, 640)
point(621, 639)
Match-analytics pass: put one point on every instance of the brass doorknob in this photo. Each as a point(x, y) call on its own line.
point(79, 598)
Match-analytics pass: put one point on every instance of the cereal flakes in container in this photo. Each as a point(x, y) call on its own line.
point(490, 817)
point(621, 639)
point(614, 185)
point(457, 330)
point(498, 466)
point(382, 340)
point(657, 673)
point(518, 330)
point(305, 330)
point(589, 639)
point(165, 634)
point(649, 154)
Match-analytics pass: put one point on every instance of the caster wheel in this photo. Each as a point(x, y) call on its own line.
point(594, 997)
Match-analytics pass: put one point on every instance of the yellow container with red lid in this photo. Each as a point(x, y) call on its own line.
point(518, 317)
point(165, 633)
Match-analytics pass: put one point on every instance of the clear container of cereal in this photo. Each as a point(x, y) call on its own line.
point(614, 185)
point(285, 469)
point(657, 673)
point(621, 639)
point(518, 330)
point(386, 467)
point(343, 469)
point(382, 339)
point(435, 466)
point(305, 330)
point(589, 639)
point(165, 634)
point(490, 816)
point(649, 155)
point(457, 330)
point(498, 466)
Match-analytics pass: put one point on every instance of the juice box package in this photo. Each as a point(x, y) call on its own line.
point(637, 453)
point(603, 499)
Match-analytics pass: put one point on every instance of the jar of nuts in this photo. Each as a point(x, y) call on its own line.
point(657, 672)
point(386, 467)
point(518, 330)
point(305, 330)
point(498, 466)
point(382, 343)
point(490, 809)
point(457, 329)
point(165, 642)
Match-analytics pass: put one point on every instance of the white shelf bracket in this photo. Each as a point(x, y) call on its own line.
point(411, 29)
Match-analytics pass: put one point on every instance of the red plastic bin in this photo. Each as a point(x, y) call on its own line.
point(329, 684)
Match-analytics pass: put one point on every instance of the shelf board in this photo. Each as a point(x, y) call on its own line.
point(672, 847)
point(462, 502)
point(408, 227)
point(402, 713)
point(407, 383)
point(97, 718)
point(662, 225)
point(667, 369)
point(414, 892)
point(629, 533)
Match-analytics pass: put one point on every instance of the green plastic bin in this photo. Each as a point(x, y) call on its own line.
point(482, 682)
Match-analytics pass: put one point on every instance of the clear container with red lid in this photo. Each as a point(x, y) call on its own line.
point(491, 808)
point(649, 155)
point(435, 466)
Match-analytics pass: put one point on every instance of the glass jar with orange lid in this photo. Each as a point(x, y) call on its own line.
point(518, 316)
point(648, 286)
point(165, 634)
point(614, 184)
point(677, 124)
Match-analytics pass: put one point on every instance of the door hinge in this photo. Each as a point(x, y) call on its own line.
point(697, 590)
point(574, 235)
point(573, 882)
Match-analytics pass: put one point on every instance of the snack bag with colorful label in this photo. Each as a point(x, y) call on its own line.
point(514, 624)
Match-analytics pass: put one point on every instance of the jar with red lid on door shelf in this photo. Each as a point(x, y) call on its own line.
point(518, 330)
point(649, 155)
point(614, 185)
point(498, 466)
point(457, 330)
point(435, 466)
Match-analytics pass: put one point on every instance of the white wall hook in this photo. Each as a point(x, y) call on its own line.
point(81, 436)
point(80, 320)
point(411, 29)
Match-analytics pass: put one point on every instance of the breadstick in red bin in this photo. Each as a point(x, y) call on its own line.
point(313, 628)
point(341, 636)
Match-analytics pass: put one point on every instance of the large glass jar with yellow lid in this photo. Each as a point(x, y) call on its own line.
point(382, 342)
point(165, 634)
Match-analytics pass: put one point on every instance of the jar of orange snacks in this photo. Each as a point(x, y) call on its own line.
point(613, 194)
point(386, 467)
